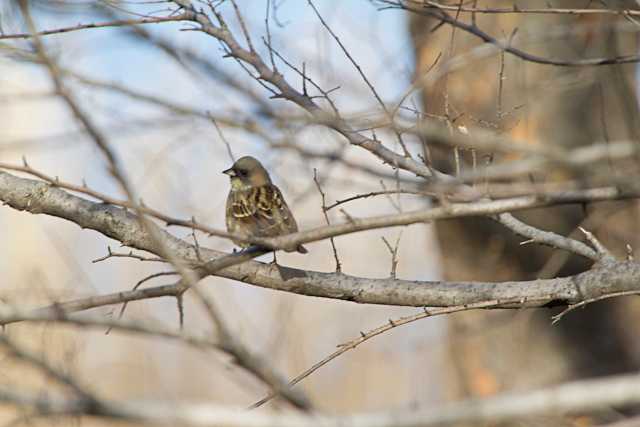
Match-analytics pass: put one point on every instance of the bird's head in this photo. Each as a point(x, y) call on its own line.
point(247, 172)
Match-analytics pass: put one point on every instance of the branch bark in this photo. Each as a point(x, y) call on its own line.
point(123, 226)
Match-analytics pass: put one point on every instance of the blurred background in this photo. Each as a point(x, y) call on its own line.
point(154, 90)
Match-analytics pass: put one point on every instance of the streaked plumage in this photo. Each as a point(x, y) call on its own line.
point(255, 207)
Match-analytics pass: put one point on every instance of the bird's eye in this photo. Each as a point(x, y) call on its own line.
point(242, 172)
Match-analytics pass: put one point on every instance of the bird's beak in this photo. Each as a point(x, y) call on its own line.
point(229, 172)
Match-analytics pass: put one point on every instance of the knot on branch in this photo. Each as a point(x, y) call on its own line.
point(608, 277)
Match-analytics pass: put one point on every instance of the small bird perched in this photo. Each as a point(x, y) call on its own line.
point(255, 207)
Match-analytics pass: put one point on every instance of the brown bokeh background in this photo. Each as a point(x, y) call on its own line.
point(540, 104)
point(174, 162)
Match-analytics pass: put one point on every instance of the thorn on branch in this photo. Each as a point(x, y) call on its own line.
point(326, 218)
point(602, 251)
point(394, 254)
point(135, 287)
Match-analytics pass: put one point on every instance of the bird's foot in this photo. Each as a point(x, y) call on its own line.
point(275, 261)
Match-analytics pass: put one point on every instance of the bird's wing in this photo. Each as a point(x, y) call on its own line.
point(262, 211)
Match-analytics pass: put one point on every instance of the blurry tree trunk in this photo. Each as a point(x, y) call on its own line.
point(540, 104)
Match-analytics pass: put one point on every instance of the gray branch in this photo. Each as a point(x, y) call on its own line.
point(119, 224)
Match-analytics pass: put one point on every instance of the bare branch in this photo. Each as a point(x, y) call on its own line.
point(441, 14)
point(49, 370)
point(572, 307)
point(129, 254)
point(286, 91)
point(393, 250)
point(518, 10)
point(546, 237)
point(25, 194)
point(110, 24)
point(56, 314)
point(326, 218)
point(249, 360)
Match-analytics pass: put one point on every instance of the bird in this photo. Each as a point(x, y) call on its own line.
point(255, 206)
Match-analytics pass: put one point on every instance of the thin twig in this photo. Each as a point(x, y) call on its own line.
point(546, 237)
point(249, 360)
point(572, 307)
point(46, 368)
point(223, 139)
point(391, 324)
point(269, 43)
point(137, 285)
point(130, 254)
point(393, 250)
point(326, 218)
point(362, 74)
point(80, 27)
point(380, 193)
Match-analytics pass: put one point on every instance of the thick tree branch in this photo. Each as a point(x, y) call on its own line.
point(121, 225)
